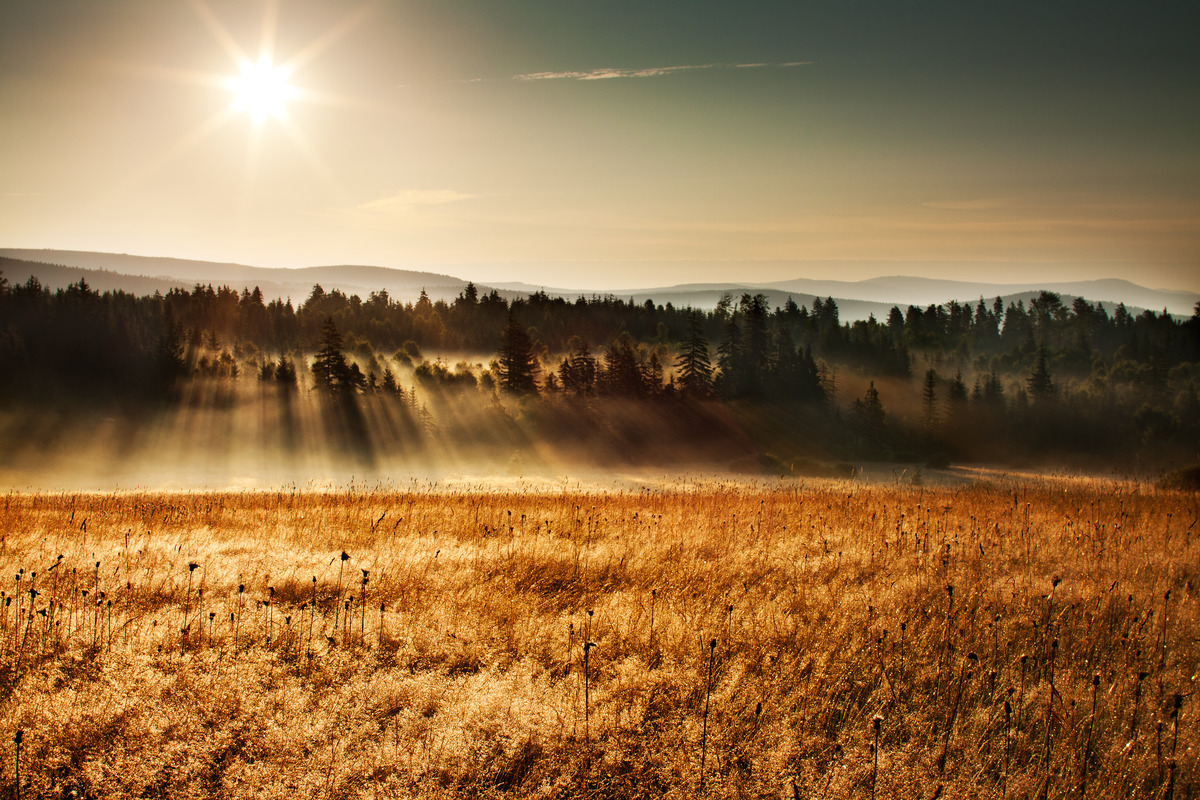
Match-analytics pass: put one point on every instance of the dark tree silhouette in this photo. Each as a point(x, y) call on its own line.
point(871, 413)
point(694, 367)
point(517, 366)
point(578, 370)
point(929, 399)
point(330, 368)
point(1041, 387)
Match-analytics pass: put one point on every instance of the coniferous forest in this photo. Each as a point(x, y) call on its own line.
point(789, 389)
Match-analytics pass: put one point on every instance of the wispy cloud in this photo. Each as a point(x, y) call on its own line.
point(610, 73)
point(406, 208)
point(409, 198)
point(974, 204)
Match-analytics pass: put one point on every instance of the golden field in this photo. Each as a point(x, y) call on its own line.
point(1033, 639)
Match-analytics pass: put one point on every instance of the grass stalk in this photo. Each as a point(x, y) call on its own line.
point(338, 592)
point(587, 708)
point(876, 723)
point(17, 763)
point(1087, 748)
point(712, 652)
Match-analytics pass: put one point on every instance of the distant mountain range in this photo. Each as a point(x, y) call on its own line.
point(856, 299)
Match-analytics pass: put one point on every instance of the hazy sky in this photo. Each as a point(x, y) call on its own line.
point(646, 141)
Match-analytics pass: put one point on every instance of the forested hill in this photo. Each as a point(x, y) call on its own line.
point(996, 378)
point(857, 300)
point(57, 269)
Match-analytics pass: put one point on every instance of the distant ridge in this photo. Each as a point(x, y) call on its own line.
point(146, 274)
point(855, 299)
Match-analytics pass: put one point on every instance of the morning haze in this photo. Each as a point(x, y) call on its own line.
point(573, 399)
point(999, 144)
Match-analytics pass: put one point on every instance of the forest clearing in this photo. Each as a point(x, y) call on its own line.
point(818, 639)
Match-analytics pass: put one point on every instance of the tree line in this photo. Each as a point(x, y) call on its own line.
point(986, 379)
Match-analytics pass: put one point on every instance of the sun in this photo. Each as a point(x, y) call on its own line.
point(262, 89)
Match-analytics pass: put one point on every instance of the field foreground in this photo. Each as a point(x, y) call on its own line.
point(822, 641)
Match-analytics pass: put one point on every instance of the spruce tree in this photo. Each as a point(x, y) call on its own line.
point(330, 369)
point(517, 364)
point(1041, 387)
point(929, 399)
point(695, 368)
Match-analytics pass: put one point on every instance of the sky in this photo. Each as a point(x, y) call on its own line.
point(615, 144)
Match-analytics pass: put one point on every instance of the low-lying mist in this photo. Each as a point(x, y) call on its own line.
point(240, 432)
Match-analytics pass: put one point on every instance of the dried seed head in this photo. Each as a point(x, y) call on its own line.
point(345, 556)
point(191, 566)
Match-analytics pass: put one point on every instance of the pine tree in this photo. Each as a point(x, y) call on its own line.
point(577, 372)
point(929, 399)
point(870, 411)
point(170, 360)
point(285, 373)
point(330, 369)
point(1041, 387)
point(695, 368)
point(517, 365)
point(731, 360)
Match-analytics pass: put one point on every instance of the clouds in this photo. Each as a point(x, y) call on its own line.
point(407, 199)
point(609, 73)
point(402, 209)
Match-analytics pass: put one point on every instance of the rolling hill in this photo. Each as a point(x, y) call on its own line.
point(855, 299)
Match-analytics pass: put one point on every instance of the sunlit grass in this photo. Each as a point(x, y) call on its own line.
point(457, 667)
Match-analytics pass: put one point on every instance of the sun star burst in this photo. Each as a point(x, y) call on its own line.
point(262, 89)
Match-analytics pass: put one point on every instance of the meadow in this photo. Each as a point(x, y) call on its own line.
point(820, 639)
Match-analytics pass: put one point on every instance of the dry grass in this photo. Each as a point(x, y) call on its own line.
point(461, 674)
